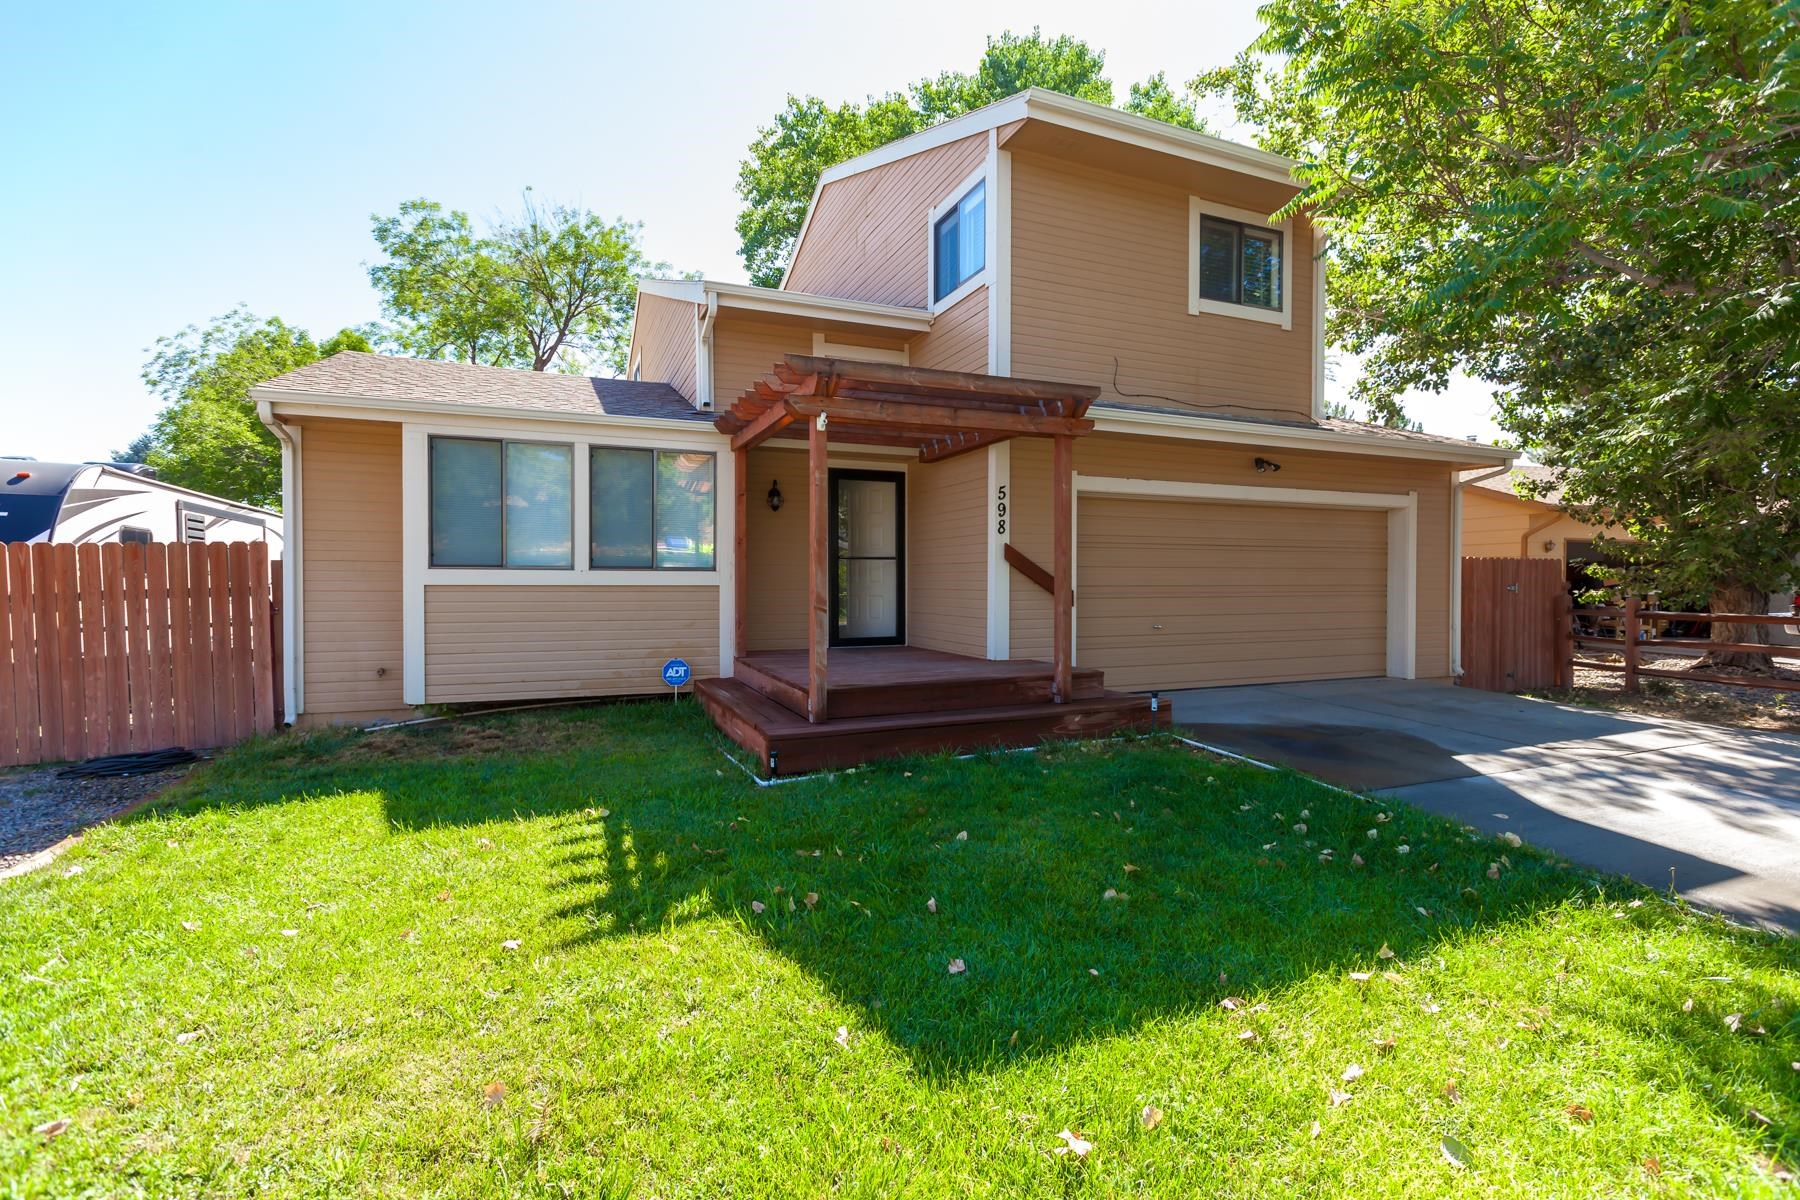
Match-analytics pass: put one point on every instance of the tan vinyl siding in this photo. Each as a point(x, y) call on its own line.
point(958, 340)
point(946, 564)
point(1200, 462)
point(1100, 270)
point(867, 239)
point(497, 642)
point(664, 342)
point(1198, 594)
point(350, 573)
point(777, 551)
point(745, 349)
point(1492, 525)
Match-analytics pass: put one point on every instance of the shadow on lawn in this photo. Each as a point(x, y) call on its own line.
point(1213, 900)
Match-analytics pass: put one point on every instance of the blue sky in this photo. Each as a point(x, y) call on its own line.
point(163, 163)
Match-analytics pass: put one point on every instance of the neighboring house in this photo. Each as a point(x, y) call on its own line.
point(465, 534)
point(120, 502)
point(1499, 522)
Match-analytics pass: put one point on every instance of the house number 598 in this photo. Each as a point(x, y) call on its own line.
point(1000, 510)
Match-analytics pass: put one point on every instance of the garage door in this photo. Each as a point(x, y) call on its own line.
point(1182, 593)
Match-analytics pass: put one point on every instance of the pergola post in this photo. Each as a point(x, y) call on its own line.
point(818, 521)
point(740, 553)
point(1062, 503)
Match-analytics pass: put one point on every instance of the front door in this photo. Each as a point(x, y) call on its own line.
point(868, 558)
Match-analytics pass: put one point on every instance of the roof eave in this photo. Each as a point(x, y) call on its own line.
point(296, 403)
point(804, 305)
point(1216, 429)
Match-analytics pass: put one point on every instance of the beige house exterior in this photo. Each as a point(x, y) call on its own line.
point(1498, 522)
point(1225, 531)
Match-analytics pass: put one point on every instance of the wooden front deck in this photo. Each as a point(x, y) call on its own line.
point(891, 700)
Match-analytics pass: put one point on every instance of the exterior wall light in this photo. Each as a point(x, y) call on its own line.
point(774, 496)
point(1263, 464)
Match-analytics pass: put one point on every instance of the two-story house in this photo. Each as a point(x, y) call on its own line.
point(1042, 385)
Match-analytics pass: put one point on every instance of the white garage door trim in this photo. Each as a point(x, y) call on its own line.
point(1402, 530)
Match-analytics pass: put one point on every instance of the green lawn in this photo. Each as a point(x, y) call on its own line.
point(525, 956)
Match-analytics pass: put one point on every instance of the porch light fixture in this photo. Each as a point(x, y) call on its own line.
point(1264, 465)
point(774, 496)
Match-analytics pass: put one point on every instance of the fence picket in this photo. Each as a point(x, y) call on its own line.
point(243, 699)
point(111, 726)
point(137, 630)
point(27, 713)
point(261, 666)
point(10, 731)
point(181, 644)
point(224, 702)
point(158, 697)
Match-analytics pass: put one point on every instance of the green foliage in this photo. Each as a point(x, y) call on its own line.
point(777, 180)
point(553, 286)
point(1592, 207)
point(207, 436)
point(300, 975)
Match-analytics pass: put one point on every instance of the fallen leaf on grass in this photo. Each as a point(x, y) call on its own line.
point(51, 1129)
point(1352, 1073)
point(1512, 839)
point(190, 926)
point(442, 896)
point(1452, 1093)
point(956, 966)
point(1111, 894)
point(1733, 1020)
point(1780, 1171)
point(1384, 952)
point(1403, 848)
point(493, 1094)
point(1231, 1004)
point(1580, 1112)
point(1385, 1045)
point(1094, 971)
point(510, 944)
point(182, 1039)
point(409, 935)
point(1335, 1098)
point(1151, 1117)
point(1073, 1144)
point(1361, 976)
point(812, 899)
point(1652, 1166)
point(1392, 976)
point(931, 905)
point(1248, 1036)
point(73, 870)
point(757, 906)
point(963, 836)
point(1493, 871)
point(1455, 1153)
point(1356, 860)
point(1431, 1006)
point(843, 1036)
point(290, 933)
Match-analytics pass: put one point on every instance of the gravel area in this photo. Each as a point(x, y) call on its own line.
point(1716, 704)
point(38, 810)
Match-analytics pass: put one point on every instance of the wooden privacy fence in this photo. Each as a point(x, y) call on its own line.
point(1514, 624)
point(113, 648)
point(1638, 628)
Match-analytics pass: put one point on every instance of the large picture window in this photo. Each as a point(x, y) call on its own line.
point(502, 504)
point(959, 242)
point(1240, 264)
point(652, 509)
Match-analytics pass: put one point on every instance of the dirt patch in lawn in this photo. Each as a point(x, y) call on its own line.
point(1712, 703)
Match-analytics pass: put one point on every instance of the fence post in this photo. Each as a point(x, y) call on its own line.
point(1631, 644)
point(1564, 629)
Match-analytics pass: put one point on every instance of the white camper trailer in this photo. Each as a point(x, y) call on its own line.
point(120, 502)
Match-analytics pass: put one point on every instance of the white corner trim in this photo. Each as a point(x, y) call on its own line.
point(725, 483)
point(982, 174)
point(999, 533)
point(1000, 257)
point(824, 347)
point(415, 550)
point(1198, 208)
point(1321, 244)
point(1402, 529)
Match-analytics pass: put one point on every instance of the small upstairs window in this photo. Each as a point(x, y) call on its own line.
point(959, 242)
point(1238, 265)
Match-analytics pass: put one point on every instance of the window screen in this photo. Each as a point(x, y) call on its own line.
point(466, 513)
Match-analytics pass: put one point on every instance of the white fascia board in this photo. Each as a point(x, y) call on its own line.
point(805, 305)
point(306, 404)
point(1210, 429)
point(1084, 116)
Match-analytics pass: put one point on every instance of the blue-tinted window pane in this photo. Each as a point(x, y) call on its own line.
point(971, 230)
point(947, 244)
point(1218, 260)
point(1262, 268)
point(684, 510)
point(619, 489)
point(539, 492)
point(465, 503)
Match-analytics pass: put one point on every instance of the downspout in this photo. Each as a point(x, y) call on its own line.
point(292, 690)
point(703, 373)
point(1533, 530)
point(1456, 524)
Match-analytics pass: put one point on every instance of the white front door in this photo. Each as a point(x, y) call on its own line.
point(866, 558)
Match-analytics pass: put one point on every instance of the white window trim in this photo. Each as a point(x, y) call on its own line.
point(417, 573)
point(1198, 208)
point(1402, 538)
point(982, 174)
point(824, 347)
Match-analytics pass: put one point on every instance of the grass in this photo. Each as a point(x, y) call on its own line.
point(655, 1034)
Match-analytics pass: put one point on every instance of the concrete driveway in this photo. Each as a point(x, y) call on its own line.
point(1642, 796)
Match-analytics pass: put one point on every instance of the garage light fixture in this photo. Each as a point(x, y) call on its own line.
point(1264, 465)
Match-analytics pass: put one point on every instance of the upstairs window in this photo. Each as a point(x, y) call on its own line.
point(959, 242)
point(1240, 264)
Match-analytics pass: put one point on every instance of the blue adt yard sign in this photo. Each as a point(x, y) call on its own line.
point(676, 672)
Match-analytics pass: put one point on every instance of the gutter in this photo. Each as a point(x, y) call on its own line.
point(703, 354)
point(1456, 524)
point(292, 689)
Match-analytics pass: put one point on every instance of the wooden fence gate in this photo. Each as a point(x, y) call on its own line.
point(1514, 623)
point(114, 648)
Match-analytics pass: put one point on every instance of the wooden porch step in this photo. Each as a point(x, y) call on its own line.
point(762, 726)
point(871, 695)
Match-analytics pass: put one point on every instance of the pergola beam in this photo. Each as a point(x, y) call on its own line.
point(760, 430)
point(939, 418)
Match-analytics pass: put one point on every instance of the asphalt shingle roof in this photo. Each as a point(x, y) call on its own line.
point(353, 374)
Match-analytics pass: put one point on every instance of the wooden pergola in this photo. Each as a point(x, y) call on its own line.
point(941, 414)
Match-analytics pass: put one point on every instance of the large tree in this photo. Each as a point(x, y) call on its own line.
point(552, 286)
point(1591, 207)
point(776, 181)
point(207, 436)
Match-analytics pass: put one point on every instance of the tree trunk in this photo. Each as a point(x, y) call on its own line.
point(1735, 598)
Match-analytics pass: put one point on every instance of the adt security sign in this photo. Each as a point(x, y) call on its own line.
point(676, 672)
